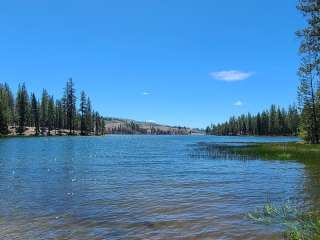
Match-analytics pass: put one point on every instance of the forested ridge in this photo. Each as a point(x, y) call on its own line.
point(46, 115)
point(304, 120)
point(126, 126)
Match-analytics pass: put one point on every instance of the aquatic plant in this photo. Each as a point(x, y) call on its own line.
point(300, 225)
point(279, 151)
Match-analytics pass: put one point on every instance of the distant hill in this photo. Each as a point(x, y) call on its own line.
point(129, 126)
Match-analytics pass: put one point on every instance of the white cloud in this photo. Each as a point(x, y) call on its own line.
point(231, 76)
point(151, 121)
point(238, 103)
point(146, 93)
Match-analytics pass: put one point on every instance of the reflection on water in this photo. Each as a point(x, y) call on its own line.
point(139, 187)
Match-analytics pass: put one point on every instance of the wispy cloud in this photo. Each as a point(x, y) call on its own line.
point(151, 121)
point(238, 103)
point(146, 93)
point(231, 76)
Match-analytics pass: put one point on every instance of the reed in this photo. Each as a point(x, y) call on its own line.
point(279, 151)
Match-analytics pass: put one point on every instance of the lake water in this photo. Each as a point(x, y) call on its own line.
point(141, 187)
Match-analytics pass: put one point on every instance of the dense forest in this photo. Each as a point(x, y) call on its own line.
point(275, 121)
point(305, 119)
point(24, 112)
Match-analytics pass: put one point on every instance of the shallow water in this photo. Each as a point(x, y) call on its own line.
point(141, 187)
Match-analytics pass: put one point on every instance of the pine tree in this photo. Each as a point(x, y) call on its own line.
point(70, 105)
point(97, 123)
point(103, 126)
point(283, 126)
point(3, 122)
point(51, 115)
point(272, 120)
point(308, 103)
point(83, 112)
point(7, 102)
point(35, 115)
point(89, 117)
point(10, 104)
point(59, 113)
point(259, 124)
point(64, 111)
point(293, 120)
point(3, 111)
point(22, 105)
point(44, 109)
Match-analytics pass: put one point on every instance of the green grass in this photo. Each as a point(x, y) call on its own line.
point(280, 151)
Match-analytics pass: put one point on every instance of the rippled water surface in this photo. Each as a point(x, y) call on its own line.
point(140, 187)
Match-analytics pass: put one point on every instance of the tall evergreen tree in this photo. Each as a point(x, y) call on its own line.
point(293, 119)
point(35, 115)
point(103, 126)
point(7, 99)
point(259, 124)
point(59, 113)
point(272, 120)
point(3, 111)
point(51, 115)
point(44, 109)
point(22, 105)
point(83, 112)
point(308, 103)
point(10, 104)
point(3, 122)
point(89, 116)
point(70, 105)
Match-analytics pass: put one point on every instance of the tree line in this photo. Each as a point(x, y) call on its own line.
point(274, 121)
point(23, 111)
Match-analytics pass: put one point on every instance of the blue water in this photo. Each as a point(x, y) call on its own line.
point(138, 187)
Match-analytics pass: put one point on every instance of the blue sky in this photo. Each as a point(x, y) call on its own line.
point(176, 62)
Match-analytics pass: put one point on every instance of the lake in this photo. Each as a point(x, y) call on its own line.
point(142, 187)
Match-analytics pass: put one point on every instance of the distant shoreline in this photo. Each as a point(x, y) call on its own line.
point(31, 132)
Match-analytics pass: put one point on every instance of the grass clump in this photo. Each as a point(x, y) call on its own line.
point(280, 151)
point(299, 225)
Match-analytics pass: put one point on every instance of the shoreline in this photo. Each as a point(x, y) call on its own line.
point(30, 132)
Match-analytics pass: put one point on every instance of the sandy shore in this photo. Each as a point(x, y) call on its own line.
point(31, 131)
